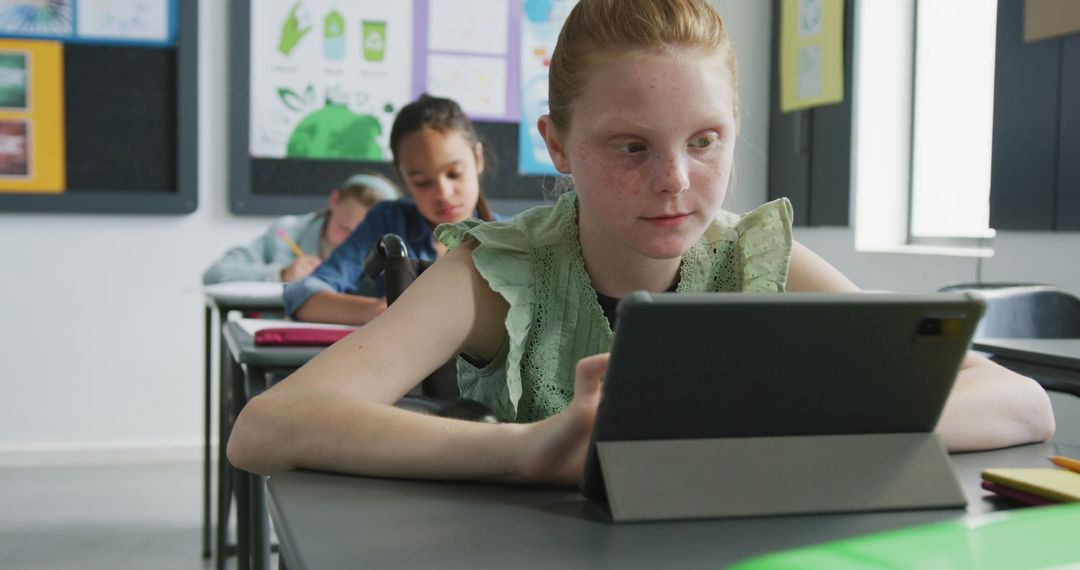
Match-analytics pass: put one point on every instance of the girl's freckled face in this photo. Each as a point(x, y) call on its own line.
point(650, 149)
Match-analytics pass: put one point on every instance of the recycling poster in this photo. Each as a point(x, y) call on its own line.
point(326, 78)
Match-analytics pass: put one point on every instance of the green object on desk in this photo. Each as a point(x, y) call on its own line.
point(1035, 537)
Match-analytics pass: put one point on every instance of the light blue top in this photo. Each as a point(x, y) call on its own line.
point(265, 257)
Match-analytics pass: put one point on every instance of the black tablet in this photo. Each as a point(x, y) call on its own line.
point(736, 365)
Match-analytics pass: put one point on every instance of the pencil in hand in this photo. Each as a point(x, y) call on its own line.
point(289, 242)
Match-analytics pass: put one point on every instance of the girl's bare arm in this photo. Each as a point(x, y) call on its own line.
point(336, 412)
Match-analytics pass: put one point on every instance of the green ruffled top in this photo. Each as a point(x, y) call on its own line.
point(534, 261)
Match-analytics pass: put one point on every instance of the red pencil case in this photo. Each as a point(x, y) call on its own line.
point(293, 336)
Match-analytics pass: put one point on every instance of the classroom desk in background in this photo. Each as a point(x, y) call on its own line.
point(219, 300)
point(246, 374)
point(338, 521)
point(1053, 362)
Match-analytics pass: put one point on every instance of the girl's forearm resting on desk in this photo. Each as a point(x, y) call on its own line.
point(323, 430)
point(327, 431)
point(341, 308)
point(991, 406)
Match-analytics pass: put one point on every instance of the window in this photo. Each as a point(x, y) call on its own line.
point(952, 119)
point(922, 120)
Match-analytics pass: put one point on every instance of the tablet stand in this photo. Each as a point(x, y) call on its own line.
point(731, 477)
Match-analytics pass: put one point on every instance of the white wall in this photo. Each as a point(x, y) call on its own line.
point(101, 336)
point(748, 26)
point(101, 341)
point(1037, 257)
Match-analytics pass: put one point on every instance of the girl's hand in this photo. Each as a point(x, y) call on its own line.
point(554, 450)
point(300, 267)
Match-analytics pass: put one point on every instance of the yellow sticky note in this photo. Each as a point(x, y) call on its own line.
point(1055, 484)
point(32, 151)
point(811, 53)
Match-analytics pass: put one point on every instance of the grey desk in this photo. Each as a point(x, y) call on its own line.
point(1054, 362)
point(219, 301)
point(337, 521)
point(246, 376)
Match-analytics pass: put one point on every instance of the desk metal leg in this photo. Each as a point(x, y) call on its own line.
point(243, 509)
point(242, 479)
point(224, 501)
point(259, 526)
point(226, 472)
point(259, 520)
point(207, 325)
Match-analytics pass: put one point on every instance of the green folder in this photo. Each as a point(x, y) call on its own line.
point(1034, 537)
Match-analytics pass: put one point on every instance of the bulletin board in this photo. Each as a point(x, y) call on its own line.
point(98, 106)
point(315, 85)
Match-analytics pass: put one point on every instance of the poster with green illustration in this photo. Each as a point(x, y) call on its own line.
point(13, 86)
point(327, 76)
point(335, 132)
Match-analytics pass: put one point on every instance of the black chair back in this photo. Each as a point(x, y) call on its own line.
point(1024, 310)
point(390, 258)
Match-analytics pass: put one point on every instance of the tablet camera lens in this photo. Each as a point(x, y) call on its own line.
point(930, 326)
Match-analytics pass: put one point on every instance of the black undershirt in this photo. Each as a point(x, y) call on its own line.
point(609, 304)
